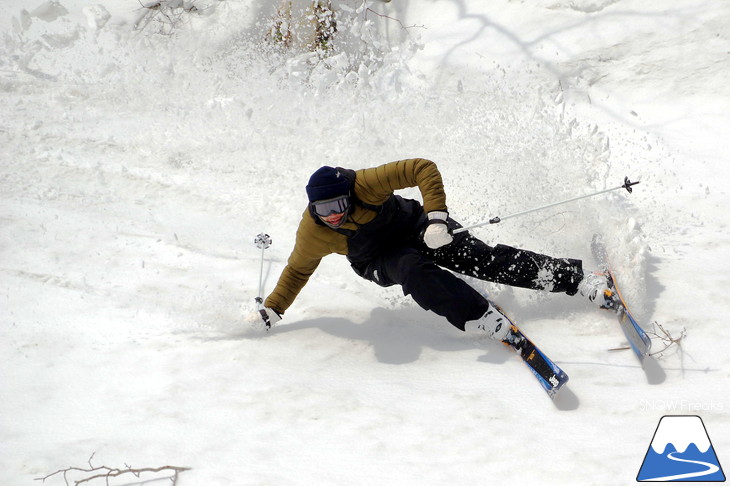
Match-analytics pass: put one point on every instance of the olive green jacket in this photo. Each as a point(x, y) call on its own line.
point(372, 186)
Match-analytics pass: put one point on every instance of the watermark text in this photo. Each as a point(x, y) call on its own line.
point(680, 405)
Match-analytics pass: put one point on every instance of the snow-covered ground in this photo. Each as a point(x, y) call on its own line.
point(137, 168)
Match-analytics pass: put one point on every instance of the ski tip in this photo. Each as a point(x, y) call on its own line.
point(555, 390)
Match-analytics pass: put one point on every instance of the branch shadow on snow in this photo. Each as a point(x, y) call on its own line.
point(531, 47)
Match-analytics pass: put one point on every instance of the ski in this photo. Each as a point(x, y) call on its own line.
point(550, 376)
point(639, 341)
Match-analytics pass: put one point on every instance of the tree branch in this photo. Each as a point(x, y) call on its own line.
point(392, 18)
point(667, 339)
point(105, 472)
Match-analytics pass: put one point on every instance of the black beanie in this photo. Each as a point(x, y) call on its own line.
point(327, 183)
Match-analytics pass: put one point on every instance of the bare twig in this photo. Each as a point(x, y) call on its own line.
point(106, 473)
point(169, 4)
point(620, 348)
point(369, 10)
point(667, 339)
point(661, 334)
point(171, 11)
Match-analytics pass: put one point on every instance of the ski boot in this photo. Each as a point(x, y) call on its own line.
point(493, 323)
point(598, 287)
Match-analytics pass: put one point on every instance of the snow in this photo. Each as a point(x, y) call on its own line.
point(137, 168)
point(680, 432)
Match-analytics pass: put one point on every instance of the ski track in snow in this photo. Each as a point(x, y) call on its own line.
point(136, 170)
point(711, 469)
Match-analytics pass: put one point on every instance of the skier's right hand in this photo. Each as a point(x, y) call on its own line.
point(437, 232)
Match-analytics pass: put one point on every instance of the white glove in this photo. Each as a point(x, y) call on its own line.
point(437, 233)
point(268, 316)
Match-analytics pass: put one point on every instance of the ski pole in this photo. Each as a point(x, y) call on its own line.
point(626, 185)
point(262, 241)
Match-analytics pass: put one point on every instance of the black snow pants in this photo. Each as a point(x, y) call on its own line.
point(424, 274)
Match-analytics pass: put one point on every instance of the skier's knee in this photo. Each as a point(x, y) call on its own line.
point(410, 266)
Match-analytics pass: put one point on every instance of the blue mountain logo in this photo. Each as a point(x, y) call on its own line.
point(681, 451)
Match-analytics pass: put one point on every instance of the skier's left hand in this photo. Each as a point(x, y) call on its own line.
point(264, 318)
point(437, 233)
point(269, 317)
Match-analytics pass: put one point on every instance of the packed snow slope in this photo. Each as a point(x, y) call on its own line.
point(141, 154)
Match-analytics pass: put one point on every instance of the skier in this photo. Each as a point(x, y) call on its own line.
point(392, 240)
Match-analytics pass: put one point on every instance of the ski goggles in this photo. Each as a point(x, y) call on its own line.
point(335, 205)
